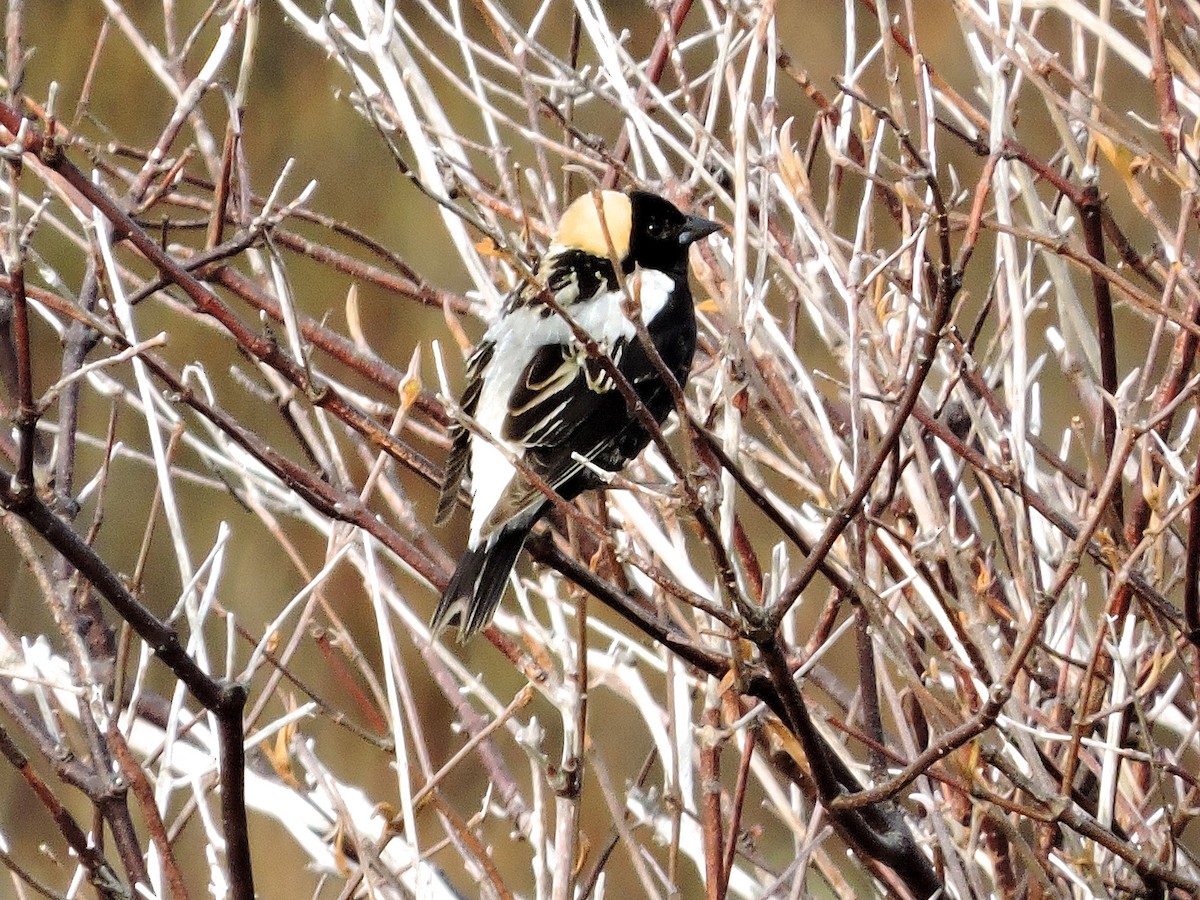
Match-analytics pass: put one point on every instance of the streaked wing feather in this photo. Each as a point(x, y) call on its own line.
point(567, 405)
point(460, 438)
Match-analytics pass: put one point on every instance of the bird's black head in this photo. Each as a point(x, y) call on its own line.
point(661, 234)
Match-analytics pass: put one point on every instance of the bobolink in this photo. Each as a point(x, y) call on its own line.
point(533, 387)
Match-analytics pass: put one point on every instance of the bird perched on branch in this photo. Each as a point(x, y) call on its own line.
point(540, 397)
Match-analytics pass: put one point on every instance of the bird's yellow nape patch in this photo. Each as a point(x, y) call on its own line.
point(582, 228)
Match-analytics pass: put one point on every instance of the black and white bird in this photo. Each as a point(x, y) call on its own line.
point(535, 394)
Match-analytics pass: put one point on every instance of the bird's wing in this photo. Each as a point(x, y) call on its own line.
point(460, 438)
point(565, 404)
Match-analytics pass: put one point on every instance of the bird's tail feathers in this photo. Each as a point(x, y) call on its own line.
point(456, 467)
point(475, 589)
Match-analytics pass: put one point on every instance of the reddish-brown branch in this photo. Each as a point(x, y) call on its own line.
point(100, 873)
point(710, 804)
point(1191, 573)
point(654, 70)
point(1163, 79)
point(135, 775)
point(27, 415)
point(1106, 338)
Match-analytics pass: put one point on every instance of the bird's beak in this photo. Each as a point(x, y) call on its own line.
point(696, 228)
